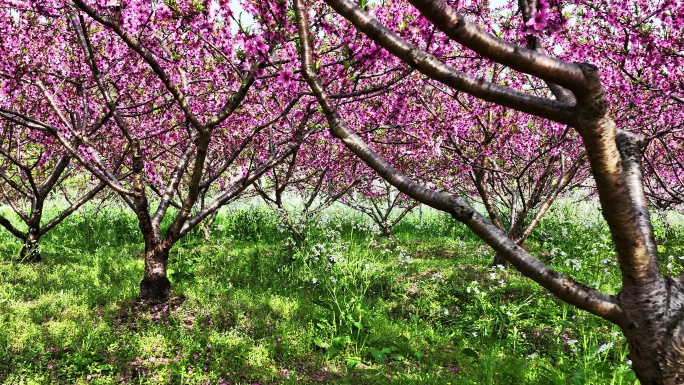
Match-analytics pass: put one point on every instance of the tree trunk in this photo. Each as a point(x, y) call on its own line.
point(296, 231)
point(500, 260)
point(386, 229)
point(155, 285)
point(655, 331)
point(205, 225)
point(30, 252)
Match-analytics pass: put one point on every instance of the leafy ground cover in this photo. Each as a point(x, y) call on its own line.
point(347, 306)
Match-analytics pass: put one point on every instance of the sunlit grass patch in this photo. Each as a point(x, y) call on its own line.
point(344, 306)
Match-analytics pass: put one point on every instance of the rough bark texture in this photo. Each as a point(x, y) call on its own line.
point(30, 252)
point(155, 285)
point(653, 304)
point(386, 230)
point(655, 332)
point(650, 307)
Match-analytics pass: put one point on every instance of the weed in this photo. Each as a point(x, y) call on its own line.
point(342, 306)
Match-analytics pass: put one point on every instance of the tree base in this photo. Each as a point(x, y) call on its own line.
point(155, 289)
point(30, 254)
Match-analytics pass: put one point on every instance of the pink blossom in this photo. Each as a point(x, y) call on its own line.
point(285, 78)
point(539, 21)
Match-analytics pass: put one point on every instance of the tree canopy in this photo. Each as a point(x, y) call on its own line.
point(180, 106)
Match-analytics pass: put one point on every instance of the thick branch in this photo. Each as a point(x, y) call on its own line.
point(167, 195)
point(615, 188)
point(54, 176)
point(4, 222)
point(562, 286)
point(629, 146)
point(435, 69)
point(73, 207)
point(521, 59)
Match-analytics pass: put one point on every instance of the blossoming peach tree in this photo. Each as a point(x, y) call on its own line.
point(193, 114)
point(514, 165)
point(609, 104)
point(33, 171)
point(179, 106)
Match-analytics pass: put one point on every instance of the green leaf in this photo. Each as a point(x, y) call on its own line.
point(604, 369)
point(353, 362)
point(318, 342)
point(630, 376)
point(378, 355)
point(397, 357)
point(340, 341)
point(567, 324)
point(578, 376)
point(470, 353)
point(332, 351)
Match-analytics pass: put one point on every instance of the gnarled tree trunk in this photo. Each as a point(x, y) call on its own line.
point(386, 229)
point(155, 286)
point(655, 330)
point(650, 307)
point(30, 251)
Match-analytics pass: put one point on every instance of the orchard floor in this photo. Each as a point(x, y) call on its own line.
point(346, 307)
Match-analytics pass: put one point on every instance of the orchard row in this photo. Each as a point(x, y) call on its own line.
point(182, 107)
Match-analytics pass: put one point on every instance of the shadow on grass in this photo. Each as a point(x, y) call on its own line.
point(245, 308)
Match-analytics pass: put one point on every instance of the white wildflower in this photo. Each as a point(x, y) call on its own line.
point(605, 347)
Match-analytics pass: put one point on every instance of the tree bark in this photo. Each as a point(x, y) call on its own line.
point(155, 286)
point(386, 229)
point(655, 332)
point(30, 252)
point(650, 307)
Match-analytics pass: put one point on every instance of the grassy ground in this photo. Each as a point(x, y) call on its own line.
point(346, 307)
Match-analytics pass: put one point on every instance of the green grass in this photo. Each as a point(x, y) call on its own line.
point(345, 307)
